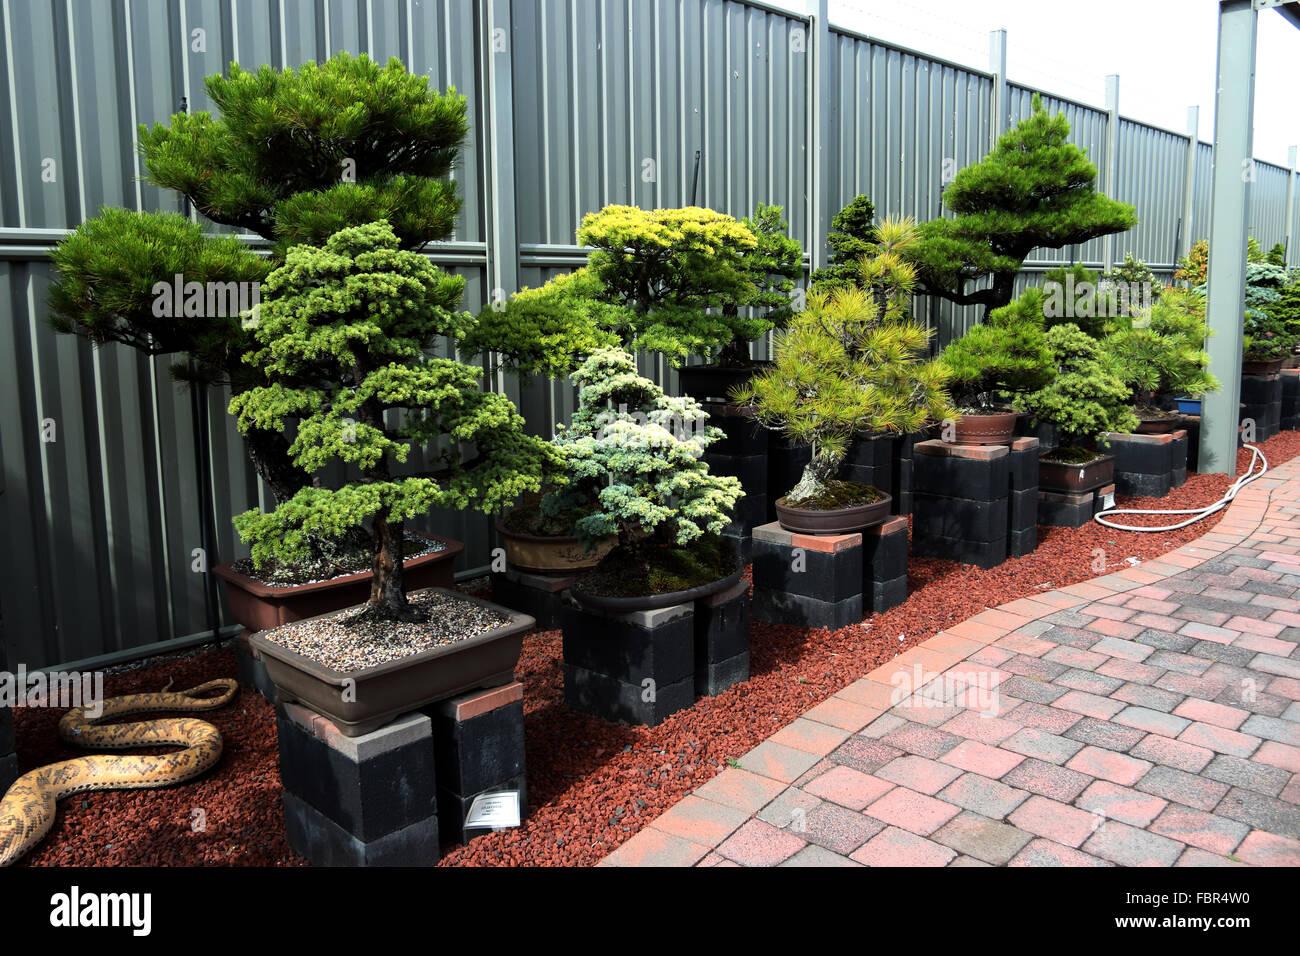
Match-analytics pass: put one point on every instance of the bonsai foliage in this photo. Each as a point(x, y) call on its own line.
point(1163, 353)
point(673, 271)
point(1088, 396)
point(632, 456)
point(774, 265)
point(342, 339)
point(1005, 356)
point(852, 363)
point(850, 238)
point(1131, 285)
point(1035, 190)
point(1194, 267)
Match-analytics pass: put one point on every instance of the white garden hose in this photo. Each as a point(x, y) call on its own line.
point(1197, 513)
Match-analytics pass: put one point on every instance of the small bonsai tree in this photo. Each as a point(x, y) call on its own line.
point(851, 237)
point(1131, 286)
point(1163, 353)
point(1004, 357)
point(633, 457)
point(1087, 397)
point(1035, 190)
point(853, 363)
point(774, 266)
point(342, 339)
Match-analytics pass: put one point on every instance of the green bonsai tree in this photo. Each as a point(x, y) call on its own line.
point(342, 340)
point(1130, 287)
point(1164, 353)
point(633, 460)
point(852, 363)
point(1194, 267)
point(292, 156)
point(851, 237)
point(1035, 190)
point(1005, 356)
point(1088, 396)
point(774, 265)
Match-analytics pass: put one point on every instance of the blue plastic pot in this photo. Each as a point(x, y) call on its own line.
point(1189, 406)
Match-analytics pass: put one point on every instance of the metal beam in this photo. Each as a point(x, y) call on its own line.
point(1001, 103)
point(819, 117)
point(1229, 222)
point(1112, 160)
point(1189, 182)
point(1291, 257)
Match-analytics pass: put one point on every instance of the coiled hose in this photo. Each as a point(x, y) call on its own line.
point(1198, 514)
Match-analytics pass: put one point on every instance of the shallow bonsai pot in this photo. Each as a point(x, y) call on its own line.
point(1062, 477)
point(260, 607)
point(376, 695)
point(1153, 425)
point(1189, 406)
point(838, 521)
point(1262, 366)
point(649, 602)
point(998, 428)
point(713, 383)
point(549, 555)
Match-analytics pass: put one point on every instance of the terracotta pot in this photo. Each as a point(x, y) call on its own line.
point(259, 607)
point(713, 383)
point(1155, 425)
point(839, 521)
point(540, 554)
point(1062, 477)
point(1262, 366)
point(998, 428)
point(649, 602)
point(378, 694)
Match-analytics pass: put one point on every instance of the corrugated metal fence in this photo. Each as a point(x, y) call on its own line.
point(574, 104)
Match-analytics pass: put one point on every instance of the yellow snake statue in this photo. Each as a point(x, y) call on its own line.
point(28, 810)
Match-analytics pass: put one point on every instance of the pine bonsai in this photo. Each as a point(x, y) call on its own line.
point(1164, 354)
point(293, 156)
point(342, 340)
point(633, 459)
point(850, 238)
point(1035, 190)
point(852, 363)
point(1004, 357)
point(1087, 397)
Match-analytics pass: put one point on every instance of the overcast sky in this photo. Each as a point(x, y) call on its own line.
point(1163, 51)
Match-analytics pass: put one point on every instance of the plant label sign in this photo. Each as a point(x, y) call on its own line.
point(1108, 501)
point(494, 811)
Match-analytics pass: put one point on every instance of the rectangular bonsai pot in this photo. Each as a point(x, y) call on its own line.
point(260, 607)
point(1058, 476)
point(375, 695)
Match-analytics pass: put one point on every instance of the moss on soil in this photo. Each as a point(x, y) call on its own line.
point(529, 520)
point(839, 494)
point(656, 569)
point(1069, 456)
point(336, 559)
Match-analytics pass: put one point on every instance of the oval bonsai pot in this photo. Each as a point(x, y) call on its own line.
point(1262, 366)
point(376, 695)
point(540, 554)
point(648, 602)
point(713, 383)
point(837, 521)
point(1062, 477)
point(997, 428)
point(259, 606)
point(1155, 424)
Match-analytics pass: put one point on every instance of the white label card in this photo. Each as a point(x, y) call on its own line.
point(494, 810)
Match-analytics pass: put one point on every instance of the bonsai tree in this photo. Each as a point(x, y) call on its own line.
point(851, 237)
point(633, 459)
point(1131, 286)
point(1087, 397)
point(853, 363)
point(1004, 357)
point(774, 266)
point(342, 341)
point(1194, 267)
point(292, 156)
point(1164, 353)
point(1035, 190)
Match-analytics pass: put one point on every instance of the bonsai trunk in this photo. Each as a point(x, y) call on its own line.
point(817, 476)
point(269, 453)
point(387, 592)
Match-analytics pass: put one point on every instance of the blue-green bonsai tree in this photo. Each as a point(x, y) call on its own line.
point(343, 338)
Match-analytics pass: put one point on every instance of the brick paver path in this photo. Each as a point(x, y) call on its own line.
point(1145, 718)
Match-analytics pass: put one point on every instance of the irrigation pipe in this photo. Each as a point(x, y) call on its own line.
point(1198, 514)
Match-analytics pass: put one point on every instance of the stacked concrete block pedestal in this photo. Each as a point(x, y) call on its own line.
point(961, 506)
point(1148, 466)
point(1261, 402)
point(741, 453)
point(537, 595)
point(1289, 414)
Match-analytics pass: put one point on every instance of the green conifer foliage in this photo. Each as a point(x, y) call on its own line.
point(850, 238)
point(1035, 190)
point(342, 340)
point(1087, 397)
point(1003, 357)
point(1164, 352)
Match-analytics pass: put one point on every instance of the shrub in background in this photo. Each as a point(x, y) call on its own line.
point(851, 236)
point(1164, 354)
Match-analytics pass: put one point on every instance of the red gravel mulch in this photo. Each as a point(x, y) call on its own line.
point(591, 784)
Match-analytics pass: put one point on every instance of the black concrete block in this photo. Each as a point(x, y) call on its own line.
point(1022, 510)
point(648, 645)
point(8, 771)
point(1179, 475)
point(453, 809)
point(1022, 467)
point(480, 752)
point(972, 520)
point(785, 465)
point(1021, 543)
point(902, 503)
point(713, 679)
point(884, 556)
point(1144, 486)
point(983, 554)
point(722, 626)
point(750, 469)
point(1065, 511)
point(825, 576)
point(887, 594)
point(251, 671)
point(1289, 413)
point(1262, 389)
point(1139, 457)
point(750, 511)
point(537, 596)
point(740, 435)
point(741, 542)
point(978, 479)
point(782, 607)
point(1192, 425)
point(325, 843)
point(614, 700)
point(370, 785)
point(871, 452)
